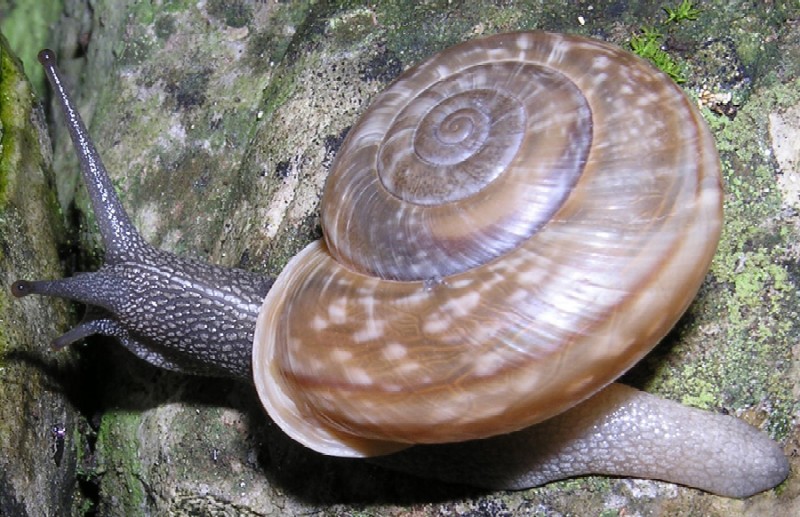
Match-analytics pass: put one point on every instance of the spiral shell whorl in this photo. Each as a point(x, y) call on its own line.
point(588, 248)
point(454, 168)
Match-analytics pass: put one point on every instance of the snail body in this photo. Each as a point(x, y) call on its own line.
point(511, 225)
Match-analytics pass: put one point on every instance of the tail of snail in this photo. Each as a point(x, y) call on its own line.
point(511, 225)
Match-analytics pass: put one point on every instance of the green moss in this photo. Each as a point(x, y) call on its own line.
point(3, 338)
point(649, 42)
point(9, 114)
point(268, 45)
point(27, 25)
point(279, 90)
point(134, 50)
point(352, 26)
point(589, 483)
point(699, 392)
point(164, 26)
point(648, 45)
point(143, 12)
point(734, 350)
point(265, 48)
point(234, 13)
point(19, 141)
point(118, 462)
point(21, 165)
point(32, 405)
point(756, 295)
point(142, 20)
point(175, 6)
point(684, 11)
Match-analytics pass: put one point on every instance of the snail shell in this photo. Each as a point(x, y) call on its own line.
point(510, 226)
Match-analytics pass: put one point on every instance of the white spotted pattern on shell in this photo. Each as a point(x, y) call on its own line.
point(511, 225)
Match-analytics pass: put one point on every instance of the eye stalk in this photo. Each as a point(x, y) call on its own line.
point(47, 58)
point(199, 317)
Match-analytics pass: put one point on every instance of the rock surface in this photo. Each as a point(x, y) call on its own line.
point(218, 121)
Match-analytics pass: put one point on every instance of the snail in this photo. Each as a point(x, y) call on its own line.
point(511, 225)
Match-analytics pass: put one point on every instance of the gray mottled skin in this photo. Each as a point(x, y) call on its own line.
point(199, 318)
point(207, 313)
point(620, 431)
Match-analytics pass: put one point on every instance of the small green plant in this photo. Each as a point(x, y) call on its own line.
point(685, 11)
point(648, 42)
point(648, 45)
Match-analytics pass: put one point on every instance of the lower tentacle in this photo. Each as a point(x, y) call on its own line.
point(620, 431)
